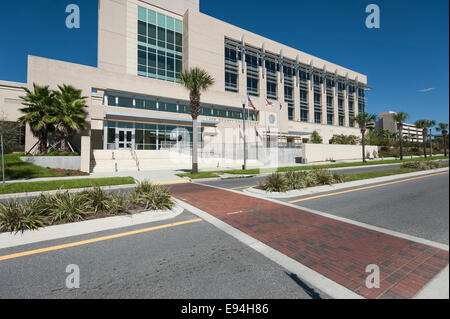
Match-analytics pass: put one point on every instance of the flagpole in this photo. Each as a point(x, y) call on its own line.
point(244, 102)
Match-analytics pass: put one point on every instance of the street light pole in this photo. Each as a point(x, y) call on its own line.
point(3, 163)
point(244, 102)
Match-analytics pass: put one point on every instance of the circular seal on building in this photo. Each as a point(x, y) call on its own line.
point(272, 119)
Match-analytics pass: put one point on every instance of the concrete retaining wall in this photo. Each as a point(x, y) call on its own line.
point(63, 162)
point(327, 152)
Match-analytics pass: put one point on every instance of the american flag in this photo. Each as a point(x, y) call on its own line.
point(268, 103)
point(250, 103)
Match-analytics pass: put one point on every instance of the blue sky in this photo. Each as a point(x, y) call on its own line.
point(409, 53)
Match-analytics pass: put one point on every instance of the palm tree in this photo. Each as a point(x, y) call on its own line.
point(430, 126)
point(363, 119)
point(70, 115)
point(400, 118)
point(423, 124)
point(39, 108)
point(443, 128)
point(195, 80)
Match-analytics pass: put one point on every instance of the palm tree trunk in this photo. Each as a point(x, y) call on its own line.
point(400, 134)
point(195, 146)
point(363, 142)
point(64, 145)
point(43, 143)
point(445, 144)
point(424, 137)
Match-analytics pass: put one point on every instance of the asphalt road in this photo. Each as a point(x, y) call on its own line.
point(190, 261)
point(419, 207)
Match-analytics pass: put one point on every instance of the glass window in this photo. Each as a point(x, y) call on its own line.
point(139, 137)
point(230, 81)
point(150, 104)
point(252, 85)
point(304, 96)
point(151, 31)
point(317, 117)
point(291, 114)
point(271, 90)
point(111, 100)
point(111, 135)
point(303, 115)
point(170, 107)
point(142, 28)
point(317, 98)
point(142, 57)
point(125, 101)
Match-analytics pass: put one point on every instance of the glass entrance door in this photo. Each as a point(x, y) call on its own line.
point(125, 139)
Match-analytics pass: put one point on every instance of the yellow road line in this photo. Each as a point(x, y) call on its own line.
point(94, 240)
point(367, 187)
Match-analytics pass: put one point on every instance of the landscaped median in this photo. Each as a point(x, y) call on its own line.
point(256, 171)
point(65, 207)
point(297, 183)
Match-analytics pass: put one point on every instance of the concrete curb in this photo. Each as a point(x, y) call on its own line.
point(328, 188)
point(86, 227)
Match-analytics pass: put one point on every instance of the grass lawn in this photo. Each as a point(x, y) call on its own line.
point(23, 187)
point(390, 172)
point(16, 169)
point(213, 174)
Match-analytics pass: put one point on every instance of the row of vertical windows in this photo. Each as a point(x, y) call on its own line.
point(160, 45)
point(174, 107)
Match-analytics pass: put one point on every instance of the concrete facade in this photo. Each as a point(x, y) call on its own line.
point(204, 40)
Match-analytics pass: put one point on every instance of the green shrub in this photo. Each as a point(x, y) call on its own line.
point(144, 187)
point(152, 196)
point(300, 179)
point(296, 180)
point(275, 182)
point(323, 176)
point(119, 204)
point(17, 217)
point(68, 208)
point(97, 199)
point(316, 138)
point(423, 165)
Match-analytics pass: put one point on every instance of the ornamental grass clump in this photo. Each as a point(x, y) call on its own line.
point(423, 165)
point(276, 182)
point(295, 180)
point(68, 208)
point(17, 217)
point(98, 200)
point(153, 197)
